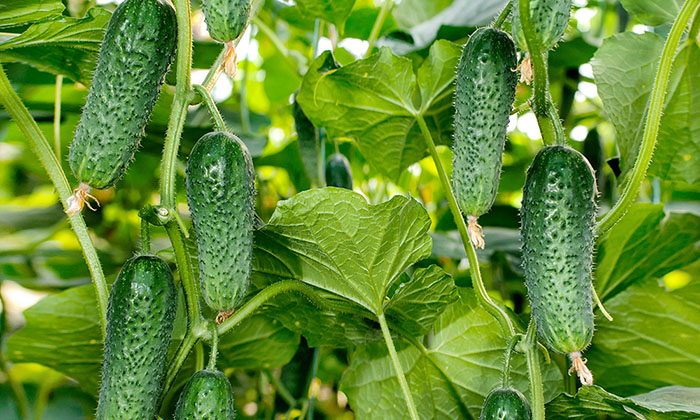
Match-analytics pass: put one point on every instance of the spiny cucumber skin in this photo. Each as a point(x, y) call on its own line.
point(137, 50)
point(338, 172)
point(557, 232)
point(485, 90)
point(226, 19)
point(221, 196)
point(207, 396)
point(140, 320)
point(549, 19)
point(505, 404)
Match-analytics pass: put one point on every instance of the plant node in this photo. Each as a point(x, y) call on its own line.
point(476, 233)
point(230, 59)
point(579, 365)
point(79, 199)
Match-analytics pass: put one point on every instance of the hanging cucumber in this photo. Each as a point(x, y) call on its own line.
point(140, 320)
point(505, 404)
point(310, 145)
point(138, 47)
point(549, 19)
point(226, 21)
point(558, 219)
point(338, 172)
point(221, 196)
point(484, 96)
point(207, 395)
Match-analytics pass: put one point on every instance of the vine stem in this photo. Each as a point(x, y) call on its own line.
point(276, 41)
point(397, 367)
point(211, 366)
point(505, 380)
point(533, 367)
point(502, 318)
point(40, 146)
point(57, 117)
point(145, 237)
point(378, 23)
point(651, 128)
point(501, 18)
point(184, 265)
point(211, 107)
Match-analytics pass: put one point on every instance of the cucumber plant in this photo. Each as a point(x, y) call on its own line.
point(137, 50)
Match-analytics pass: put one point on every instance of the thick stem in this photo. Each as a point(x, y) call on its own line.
point(498, 313)
point(506, 363)
point(47, 158)
point(211, 107)
point(184, 265)
point(199, 356)
point(57, 117)
point(178, 110)
point(180, 356)
point(145, 237)
point(214, 347)
point(378, 23)
point(501, 19)
point(651, 128)
point(397, 367)
point(533, 367)
point(215, 71)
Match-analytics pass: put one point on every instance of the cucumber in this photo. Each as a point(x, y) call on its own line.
point(505, 404)
point(309, 142)
point(338, 172)
point(207, 395)
point(549, 19)
point(226, 19)
point(137, 50)
point(221, 195)
point(140, 320)
point(485, 90)
point(558, 219)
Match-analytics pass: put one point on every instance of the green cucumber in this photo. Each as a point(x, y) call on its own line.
point(505, 404)
point(338, 172)
point(221, 196)
point(140, 320)
point(549, 20)
point(207, 396)
point(558, 219)
point(226, 19)
point(137, 50)
point(310, 145)
point(485, 90)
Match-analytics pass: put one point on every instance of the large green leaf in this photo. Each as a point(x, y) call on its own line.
point(449, 379)
point(652, 12)
point(20, 12)
point(653, 341)
point(645, 244)
point(65, 46)
point(624, 68)
point(669, 403)
point(374, 101)
point(333, 11)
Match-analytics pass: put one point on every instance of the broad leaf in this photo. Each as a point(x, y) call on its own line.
point(450, 379)
point(590, 402)
point(652, 12)
point(652, 342)
point(645, 244)
point(65, 46)
point(333, 11)
point(20, 12)
point(372, 101)
point(624, 68)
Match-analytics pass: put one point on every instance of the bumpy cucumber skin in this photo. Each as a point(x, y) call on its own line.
point(338, 172)
point(137, 50)
point(221, 196)
point(485, 91)
point(505, 404)
point(207, 396)
point(557, 232)
point(226, 19)
point(140, 320)
point(549, 18)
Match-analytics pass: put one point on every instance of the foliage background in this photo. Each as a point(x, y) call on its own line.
point(601, 75)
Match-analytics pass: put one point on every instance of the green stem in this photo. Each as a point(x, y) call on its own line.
point(40, 146)
point(57, 117)
point(378, 23)
point(651, 128)
point(276, 41)
point(533, 367)
point(215, 71)
point(199, 356)
point(178, 110)
point(18, 393)
point(243, 99)
point(211, 107)
point(184, 265)
point(316, 38)
point(501, 19)
point(500, 315)
point(211, 366)
point(559, 135)
point(506, 364)
point(145, 237)
point(397, 367)
point(181, 354)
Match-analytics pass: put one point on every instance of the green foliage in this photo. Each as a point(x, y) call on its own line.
point(20, 12)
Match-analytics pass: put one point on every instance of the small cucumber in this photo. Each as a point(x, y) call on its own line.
point(309, 142)
point(207, 396)
point(137, 50)
point(558, 219)
point(549, 19)
point(221, 196)
point(140, 320)
point(226, 19)
point(505, 404)
point(485, 90)
point(338, 172)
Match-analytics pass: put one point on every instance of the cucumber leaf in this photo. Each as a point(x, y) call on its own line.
point(652, 12)
point(335, 11)
point(20, 12)
point(466, 344)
